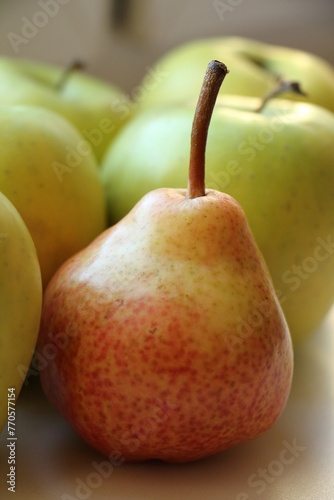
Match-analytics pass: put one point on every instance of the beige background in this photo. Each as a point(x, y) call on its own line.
point(86, 29)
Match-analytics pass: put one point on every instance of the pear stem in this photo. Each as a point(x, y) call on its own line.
point(73, 66)
point(214, 76)
point(283, 86)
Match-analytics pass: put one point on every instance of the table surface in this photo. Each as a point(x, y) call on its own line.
point(293, 460)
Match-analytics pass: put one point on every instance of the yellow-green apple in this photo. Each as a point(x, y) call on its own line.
point(20, 306)
point(49, 173)
point(91, 104)
point(278, 163)
point(173, 344)
point(255, 67)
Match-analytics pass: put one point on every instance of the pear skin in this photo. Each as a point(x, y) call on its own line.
point(168, 339)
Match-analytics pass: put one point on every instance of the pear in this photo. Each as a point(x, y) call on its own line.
point(167, 339)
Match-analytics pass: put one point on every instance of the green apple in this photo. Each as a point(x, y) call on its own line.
point(49, 173)
point(278, 163)
point(91, 104)
point(255, 68)
point(20, 304)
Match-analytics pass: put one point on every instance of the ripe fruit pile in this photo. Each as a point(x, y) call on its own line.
point(171, 327)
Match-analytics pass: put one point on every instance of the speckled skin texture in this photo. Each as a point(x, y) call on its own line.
point(167, 340)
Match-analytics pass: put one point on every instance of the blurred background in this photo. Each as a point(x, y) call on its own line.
point(119, 39)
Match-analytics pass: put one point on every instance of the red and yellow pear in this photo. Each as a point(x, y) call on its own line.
point(170, 341)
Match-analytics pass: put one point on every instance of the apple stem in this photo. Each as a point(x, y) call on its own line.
point(214, 76)
point(67, 72)
point(283, 86)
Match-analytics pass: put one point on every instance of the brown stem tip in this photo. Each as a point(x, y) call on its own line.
point(214, 76)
